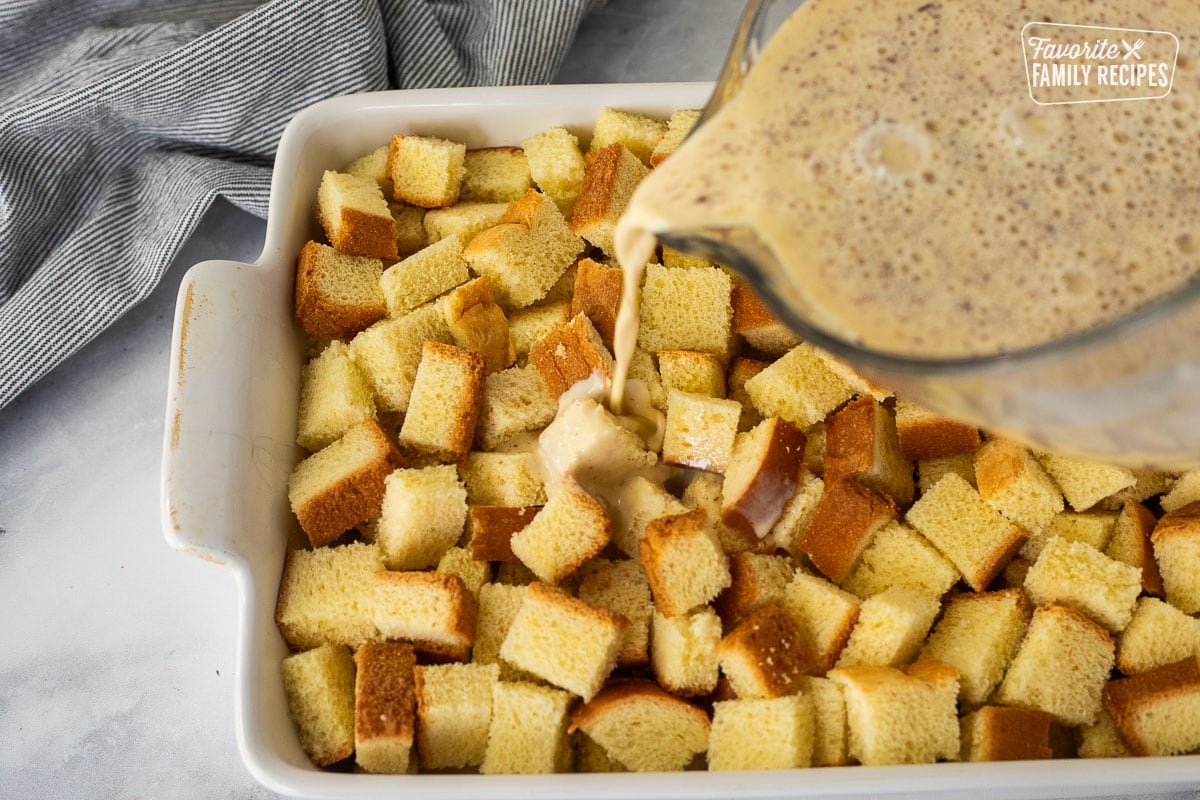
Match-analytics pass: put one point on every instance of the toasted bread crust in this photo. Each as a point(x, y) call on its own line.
point(1012, 734)
point(452, 596)
point(754, 506)
point(364, 234)
point(1143, 522)
point(384, 695)
point(619, 691)
point(492, 529)
point(319, 315)
point(596, 193)
point(598, 295)
point(925, 435)
point(569, 354)
point(1126, 697)
point(842, 527)
point(771, 644)
point(479, 324)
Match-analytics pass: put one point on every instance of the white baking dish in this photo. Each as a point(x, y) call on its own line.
point(229, 446)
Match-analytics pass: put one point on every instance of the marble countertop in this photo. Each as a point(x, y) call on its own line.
point(117, 657)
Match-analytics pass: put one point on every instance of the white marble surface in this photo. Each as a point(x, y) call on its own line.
point(117, 653)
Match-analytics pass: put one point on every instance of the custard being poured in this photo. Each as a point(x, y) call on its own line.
point(918, 201)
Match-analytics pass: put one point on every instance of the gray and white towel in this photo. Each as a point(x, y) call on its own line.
point(120, 122)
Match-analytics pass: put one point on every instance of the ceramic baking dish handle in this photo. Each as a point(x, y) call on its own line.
point(228, 443)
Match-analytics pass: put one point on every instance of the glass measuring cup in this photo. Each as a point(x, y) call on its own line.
point(1126, 391)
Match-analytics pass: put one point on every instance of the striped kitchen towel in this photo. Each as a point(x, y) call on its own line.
point(121, 121)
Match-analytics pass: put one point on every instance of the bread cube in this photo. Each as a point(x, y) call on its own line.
point(978, 635)
point(756, 580)
point(433, 610)
point(1101, 739)
point(761, 477)
point(479, 325)
point(829, 721)
point(454, 712)
point(563, 640)
point(998, 733)
point(1085, 483)
point(337, 295)
point(683, 651)
point(528, 733)
point(621, 587)
point(1060, 666)
point(640, 500)
point(843, 526)
point(597, 295)
point(334, 397)
point(502, 479)
point(498, 607)
point(373, 165)
point(700, 431)
point(410, 226)
point(587, 445)
point(444, 405)
point(460, 562)
point(527, 252)
point(1012, 481)
point(324, 593)
point(384, 707)
point(526, 326)
point(423, 514)
point(355, 216)
point(1158, 712)
point(706, 491)
point(492, 529)
point(797, 513)
point(687, 309)
point(755, 323)
point(890, 629)
point(1184, 491)
point(1158, 634)
point(692, 372)
point(515, 401)
point(899, 556)
point(1078, 576)
point(319, 685)
point(570, 354)
point(684, 563)
point(896, 718)
point(426, 171)
point(423, 276)
point(766, 654)
point(826, 613)
point(976, 538)
point(750, 734)
point(1130, 544)
point(679, 126)
point(925, 435)
point(342, 485)
point(1093, 528)
point(495, 174)
point(571, 529)
point(643, 727)
point(639, 133)
point(556, 165)
point(861, 443)
point(931, 470)
point(463, 220)
point(1176, 541)
point(388, 353)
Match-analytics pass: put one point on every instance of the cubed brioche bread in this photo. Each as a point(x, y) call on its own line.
point(611, 175)
point(679, 126)
point(556, 165)
point(637, 132)
point(755, 323)
point(683, 651)
point(686, 309)
point(1078, 576)
point(355, 216)
point(334, 397)
point(342, 485)
point(802, 386)
point(571, 529)
point(424, 275)
point(642, 369)
point(597, 295)
point(700, 431)
point(337, 295)
point(433, 610)
point(684, 562)
point(1093, 528)
point(766, 655)
point(643, 727)
point(491, 529)
point(502, 479)
point(569, 354)
point(319, 685)
point(460, 562)
point(527, 252)
point(978, 633)
point(410, 226)
point(798, 511)
point(528, 325)
point(761, 476)
point(926, 435)
point(825, 613)
point(495, 174)
point(899, 556)
point(444, 405)
point(754, 734)
point(1001, 733)
point(621, 587)
point(591, 757)
point(479, 325)
point(931, 470)
point(843, 526)
point(1012, 481)
point(327, 594)
point(454, 712)
point(498, 607)
point(890, 629)
point(563, 640)
point(639, 501)
point(1185, 490)
point(757, 579)
point(464, 220)
point(528, 731)
point(691, 371)
point(384, 707)
point(426, 171)
point(373, 165)
point(1158, 712)
point(1130, 544)
point(677, 259)
point(1060, 666)
point(829, 721)
point(896, 718)
point(1158, 634)
point(388, 353)
point(861, 443)
point(1176, 541)
point(423, 514)
point(742, 369)
point(1085, 483)
point(705, 491)
point(976, 538)
point(1101, 739)
point(515, 401)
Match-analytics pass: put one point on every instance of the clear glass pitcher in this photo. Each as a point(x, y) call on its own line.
point(1126, 392)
